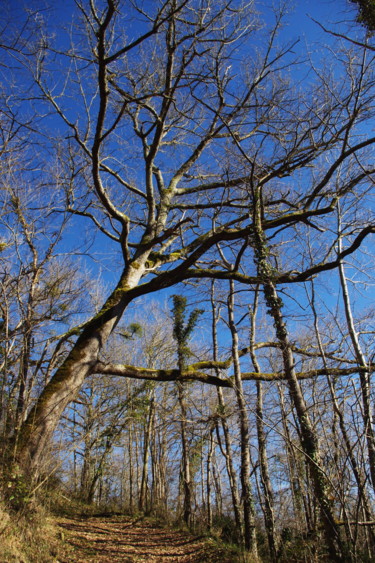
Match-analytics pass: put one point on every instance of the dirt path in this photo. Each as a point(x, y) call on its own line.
point(118, 538)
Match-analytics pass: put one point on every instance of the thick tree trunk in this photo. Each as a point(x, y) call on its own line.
point(36, 432)
point(308, 435)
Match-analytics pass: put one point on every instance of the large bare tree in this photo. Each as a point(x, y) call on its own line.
point(172, 116)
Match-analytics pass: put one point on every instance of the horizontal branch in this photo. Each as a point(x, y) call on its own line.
point(133, 372)
point(192, 374)
point(324, 267)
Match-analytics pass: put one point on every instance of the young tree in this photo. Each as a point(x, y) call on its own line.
point(182, 333)
point(226, 446)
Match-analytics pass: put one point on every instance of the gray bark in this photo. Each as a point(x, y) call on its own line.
point(247, 496)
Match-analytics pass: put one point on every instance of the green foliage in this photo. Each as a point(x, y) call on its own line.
point(366, 15)
point(16, 490)
point(182, 330)
point(133, 330)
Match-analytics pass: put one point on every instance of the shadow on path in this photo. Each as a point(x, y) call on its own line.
point(119, 538)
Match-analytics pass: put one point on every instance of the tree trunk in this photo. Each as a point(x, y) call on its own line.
point(142, 505)
point(131, 467)
point(308, 436)
point(36, 432)
point(227, 453)
point(247, 497)
point(269, 518)
point(208, 478)
point(185, 469)
point(364, 375)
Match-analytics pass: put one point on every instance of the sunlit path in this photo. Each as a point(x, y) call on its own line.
point(123, 539)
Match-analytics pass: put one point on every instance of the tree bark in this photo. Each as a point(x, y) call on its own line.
point(146, 446)
point(185, 469)
point(364, 375)
point(36, 433)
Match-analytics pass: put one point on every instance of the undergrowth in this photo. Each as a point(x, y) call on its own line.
point(27, 536)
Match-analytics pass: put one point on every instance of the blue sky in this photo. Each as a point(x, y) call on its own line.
point(299, 25)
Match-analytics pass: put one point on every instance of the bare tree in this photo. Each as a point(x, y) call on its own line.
point(166, 158)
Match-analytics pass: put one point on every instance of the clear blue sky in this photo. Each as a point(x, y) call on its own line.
point(299, 25)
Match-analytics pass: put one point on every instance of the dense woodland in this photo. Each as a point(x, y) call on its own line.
point(187, 270)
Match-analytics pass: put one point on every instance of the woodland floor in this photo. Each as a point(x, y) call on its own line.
point(118, 538)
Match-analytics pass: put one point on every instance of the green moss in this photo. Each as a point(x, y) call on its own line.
point(157, 259)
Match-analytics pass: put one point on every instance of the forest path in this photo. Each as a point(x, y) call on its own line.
point(113, 539)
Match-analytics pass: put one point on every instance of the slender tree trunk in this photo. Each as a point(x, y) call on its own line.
point(23, 375)
point(218, 490)
point(155, 464)
point(208, 477)
point(146, 446)
point(182, 332)
point(203, 480)
point(300, 514)
point(364, 375)
point(131, 467)
point(269, 518)
point(247, 497)
point(137, 464)
point(227, 453)
point(186, 476)
point(159, 446)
